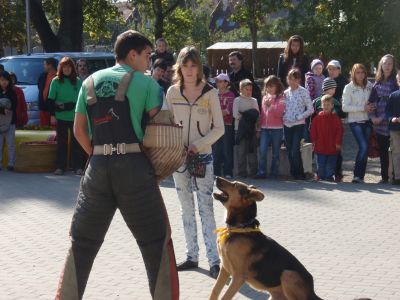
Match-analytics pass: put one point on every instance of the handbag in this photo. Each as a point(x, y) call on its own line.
point(195, 165)
point(163, 144)
point(373, 147)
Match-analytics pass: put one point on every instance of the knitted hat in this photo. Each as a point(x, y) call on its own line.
point(334, 63)
point(328, 83)
point(316, 62)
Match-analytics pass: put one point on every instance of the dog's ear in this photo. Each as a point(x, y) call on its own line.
point(254, 194)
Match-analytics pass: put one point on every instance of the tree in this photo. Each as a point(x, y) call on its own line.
point(12, 25)
point(253, 13)
point(60, 24)
point(351, 31)
point(161, 9)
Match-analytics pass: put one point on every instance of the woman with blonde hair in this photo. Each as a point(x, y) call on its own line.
point(355, 103)
point(385, 84)
point(195, 105)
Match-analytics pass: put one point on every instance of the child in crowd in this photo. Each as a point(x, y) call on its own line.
point(298, 108)
point(326, 136)
point(223, 148)
point(335, 72)
point(246, 112)
point(314, 79)
point(271, 125)
point(157, 72)
point(329, 87)
point(393, 113)
point(8, 117)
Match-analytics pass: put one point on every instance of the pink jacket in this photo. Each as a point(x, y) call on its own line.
point(272, 116)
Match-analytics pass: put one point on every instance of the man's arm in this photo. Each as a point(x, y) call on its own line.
point(81, 132)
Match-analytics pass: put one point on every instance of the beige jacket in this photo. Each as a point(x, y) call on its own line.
point(202, 120)
point(354, 100)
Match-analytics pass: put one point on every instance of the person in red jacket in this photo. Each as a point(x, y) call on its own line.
point(326, 136)
point(22, 112)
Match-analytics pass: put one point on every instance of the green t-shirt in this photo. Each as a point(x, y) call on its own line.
point(143, 93)
point(64, 92)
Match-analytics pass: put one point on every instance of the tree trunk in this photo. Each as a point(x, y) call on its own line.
point(161, 15)
point(159, 26)
point(253, 32)
point(69, 36)
point(71, 26)
point(49, 40)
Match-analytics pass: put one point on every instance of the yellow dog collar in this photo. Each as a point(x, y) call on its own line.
point(225, 232)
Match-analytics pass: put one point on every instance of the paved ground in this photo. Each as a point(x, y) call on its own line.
point(346, 235)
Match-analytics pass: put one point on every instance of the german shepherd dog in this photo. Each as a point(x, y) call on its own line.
point(249, 256)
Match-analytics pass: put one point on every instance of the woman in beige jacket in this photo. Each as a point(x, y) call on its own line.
point(195, 105)
point(355, 103)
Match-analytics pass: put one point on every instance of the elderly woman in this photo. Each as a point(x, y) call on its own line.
point(195, 105)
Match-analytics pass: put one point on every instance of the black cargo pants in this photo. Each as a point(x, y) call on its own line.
point(126, 182)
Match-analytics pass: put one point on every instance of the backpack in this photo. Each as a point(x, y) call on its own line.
point(5, 119)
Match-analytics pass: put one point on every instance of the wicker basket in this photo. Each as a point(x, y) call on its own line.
point(36, 157)
point(164, 146)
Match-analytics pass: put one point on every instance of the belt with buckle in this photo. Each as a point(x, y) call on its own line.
point(120, 148)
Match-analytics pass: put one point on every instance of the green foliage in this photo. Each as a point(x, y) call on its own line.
point(101, 19)
point(12, 24)
point(177, 28)
point(351, 31)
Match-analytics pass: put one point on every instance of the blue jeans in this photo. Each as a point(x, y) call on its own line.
point(186, 189)
point(326, 165)
point(362, 133)
point(293, 136)
point(274, 137)
point(223, 153)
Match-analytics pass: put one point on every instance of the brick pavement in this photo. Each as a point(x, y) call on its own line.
point(345, 234)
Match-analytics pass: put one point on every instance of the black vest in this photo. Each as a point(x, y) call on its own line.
point(109, 117)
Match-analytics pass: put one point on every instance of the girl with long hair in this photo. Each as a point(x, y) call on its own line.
point(355, 103)
point(385, 84)
point(195, 105)
point(293, 57)
point(271, 125)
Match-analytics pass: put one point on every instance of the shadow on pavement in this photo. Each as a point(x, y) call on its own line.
point(60, 190)
point(290, 186)
point(245, 290)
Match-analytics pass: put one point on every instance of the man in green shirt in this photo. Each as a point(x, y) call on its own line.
point(108, 122)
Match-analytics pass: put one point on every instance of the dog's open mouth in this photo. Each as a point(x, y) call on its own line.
point(221, 196)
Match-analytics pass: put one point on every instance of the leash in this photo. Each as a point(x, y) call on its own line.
point(196, 166)
point(225, 232)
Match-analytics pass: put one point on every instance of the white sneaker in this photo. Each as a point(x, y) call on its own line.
point(58, 172)
point(357, 180)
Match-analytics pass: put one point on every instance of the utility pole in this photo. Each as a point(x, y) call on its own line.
point(28, 26)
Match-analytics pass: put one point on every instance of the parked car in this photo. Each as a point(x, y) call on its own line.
point(29, 67)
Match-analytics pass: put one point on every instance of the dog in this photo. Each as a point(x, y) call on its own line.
point(249, 256)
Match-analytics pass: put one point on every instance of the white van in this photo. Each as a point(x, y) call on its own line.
point(29, 67)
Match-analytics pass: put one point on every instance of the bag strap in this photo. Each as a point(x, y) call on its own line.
point(123, 86)
point(91, 97)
